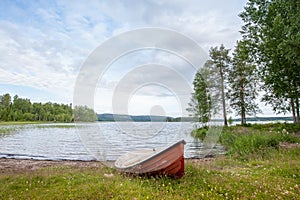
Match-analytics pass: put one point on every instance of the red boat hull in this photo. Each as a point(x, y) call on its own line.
point(168, 161)
point(175, 170)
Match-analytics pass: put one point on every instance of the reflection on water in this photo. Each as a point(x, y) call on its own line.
point(101, 141)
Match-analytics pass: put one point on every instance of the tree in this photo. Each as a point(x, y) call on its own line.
point(84, 114)
point(21, 109)
point(220, 59)
point(272, 28)
point(5, 104)
point(6, 101)
point(242, 82)
point(199, 106)
point(205, 98)
point(37, 110)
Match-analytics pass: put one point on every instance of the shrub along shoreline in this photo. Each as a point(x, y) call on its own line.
point(255, 166)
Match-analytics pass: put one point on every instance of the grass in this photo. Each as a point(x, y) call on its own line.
point(57, 126)
point(7, 130)
point(41, 124)
point(10, 127)
point(257, 140)
point(276, 175)
point(20, 122)
point(4, 130)
point(224, 177)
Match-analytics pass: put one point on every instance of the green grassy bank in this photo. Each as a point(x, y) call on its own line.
point(2, 123)
point(259, 169)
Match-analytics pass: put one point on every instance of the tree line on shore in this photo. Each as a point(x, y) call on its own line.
point(20, 109)
point(266, 60)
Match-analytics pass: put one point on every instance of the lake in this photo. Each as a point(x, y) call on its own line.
point(98, 141)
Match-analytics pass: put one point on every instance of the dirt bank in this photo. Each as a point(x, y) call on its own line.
point(10, 166)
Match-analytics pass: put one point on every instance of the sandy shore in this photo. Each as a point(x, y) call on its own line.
point(11, 166)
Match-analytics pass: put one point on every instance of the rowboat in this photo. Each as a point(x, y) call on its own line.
point(167, 161)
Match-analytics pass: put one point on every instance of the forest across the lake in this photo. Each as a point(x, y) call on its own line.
point(21, 109)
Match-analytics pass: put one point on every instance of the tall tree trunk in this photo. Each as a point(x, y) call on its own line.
point(293, 111)
point(223, 97)
point(243, 110)
point(297, 110)
point(243, 117)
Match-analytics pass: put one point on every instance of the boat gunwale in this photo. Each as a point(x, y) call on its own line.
point(151, 157)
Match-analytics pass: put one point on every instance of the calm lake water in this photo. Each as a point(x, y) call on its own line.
point(98, 141)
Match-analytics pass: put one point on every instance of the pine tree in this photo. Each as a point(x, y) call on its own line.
point(242, 81)
point(220, 59)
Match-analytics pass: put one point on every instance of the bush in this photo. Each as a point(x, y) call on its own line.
point(199, 133)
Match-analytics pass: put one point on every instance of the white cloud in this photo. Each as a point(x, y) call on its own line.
point(44, 44)
point(208, 22)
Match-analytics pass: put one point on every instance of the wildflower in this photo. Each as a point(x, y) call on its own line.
point(286, 192)
point(284, 131)
point(108, 175)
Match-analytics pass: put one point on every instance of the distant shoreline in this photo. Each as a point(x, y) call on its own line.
point(109, 117)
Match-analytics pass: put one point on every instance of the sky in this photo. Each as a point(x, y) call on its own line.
point(46, 47)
